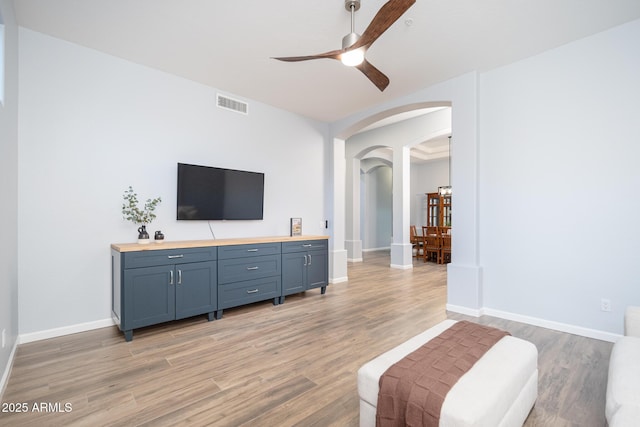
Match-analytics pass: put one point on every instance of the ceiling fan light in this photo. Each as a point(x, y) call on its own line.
point(352, 57)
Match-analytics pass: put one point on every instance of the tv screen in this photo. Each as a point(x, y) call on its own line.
point(209, 193)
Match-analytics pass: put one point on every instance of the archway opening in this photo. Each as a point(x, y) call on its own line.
point(405, 152)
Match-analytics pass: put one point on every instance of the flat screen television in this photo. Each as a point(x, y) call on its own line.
point(210, 193)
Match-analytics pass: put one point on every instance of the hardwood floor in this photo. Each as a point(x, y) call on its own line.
point(265, 365)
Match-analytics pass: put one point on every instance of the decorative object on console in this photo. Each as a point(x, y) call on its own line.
point(131, 212)
point(143, 236)
point(159, 237)
point(296, 227)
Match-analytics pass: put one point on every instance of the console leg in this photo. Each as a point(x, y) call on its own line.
point(282, 299)
point(128, 335)
point(211, 316)
point(276, 300)
point(323, 290)
point(219, 314)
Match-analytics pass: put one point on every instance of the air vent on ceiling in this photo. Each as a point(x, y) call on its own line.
point(233, 104)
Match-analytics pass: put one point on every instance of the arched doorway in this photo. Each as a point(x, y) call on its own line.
point(464, 275)
point(397, 141)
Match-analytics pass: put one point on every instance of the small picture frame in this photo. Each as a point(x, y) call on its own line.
point(296, 227)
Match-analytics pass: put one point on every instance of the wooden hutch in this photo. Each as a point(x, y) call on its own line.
point(438, 210)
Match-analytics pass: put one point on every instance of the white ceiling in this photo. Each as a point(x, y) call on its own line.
point(229, 44)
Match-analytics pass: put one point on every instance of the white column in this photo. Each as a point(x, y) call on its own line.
point(338, 255)
point(401, 256)
point(464, 274)
point(353, 242)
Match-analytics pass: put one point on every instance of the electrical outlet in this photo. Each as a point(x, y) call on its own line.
point(605, 304)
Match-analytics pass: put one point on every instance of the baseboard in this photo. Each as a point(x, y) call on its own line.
point(354, 260)
point(7, 370)
point(556, 326)
point(339, 279)
point(387, 248)
point(65, 330)
point(463, 310)
point(402, 267)
point(536, 321)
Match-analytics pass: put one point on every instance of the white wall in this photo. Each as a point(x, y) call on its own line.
point(559, 180)
point(9, 192)
point(377, 209)
point(90, 126)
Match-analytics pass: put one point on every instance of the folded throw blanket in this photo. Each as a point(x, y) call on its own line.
point(413, 390)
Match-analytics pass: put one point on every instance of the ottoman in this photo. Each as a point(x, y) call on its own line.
point(499, 390)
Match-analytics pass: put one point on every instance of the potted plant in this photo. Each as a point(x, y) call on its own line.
point(131, 212)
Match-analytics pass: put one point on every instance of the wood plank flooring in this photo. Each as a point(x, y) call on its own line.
point(265, 365)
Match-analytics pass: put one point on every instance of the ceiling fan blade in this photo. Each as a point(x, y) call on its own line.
point(376, 76)
point(386, 16)
point(334, 54)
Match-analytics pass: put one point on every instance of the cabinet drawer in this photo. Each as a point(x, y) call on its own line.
point(166, 257)
point(239, 269)
point(240, 293)
point(243, 251)
point(304, 245)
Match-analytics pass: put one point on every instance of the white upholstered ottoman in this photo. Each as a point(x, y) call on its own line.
point(499, 390)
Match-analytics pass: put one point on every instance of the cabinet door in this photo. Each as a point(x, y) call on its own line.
point(196, 289)
point(293, 273)
point(317, 269)
point(150, 296)
point(433, 210)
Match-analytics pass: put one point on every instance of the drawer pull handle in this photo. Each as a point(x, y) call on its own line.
point(252, 250)
point(305, 260)
point(309, 260)
point(171, 277)
point(253, 291)
point(252, 268)
point(174, 256)
point(179, 277)
point(306, 246)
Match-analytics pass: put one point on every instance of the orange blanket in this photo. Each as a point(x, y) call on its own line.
point(412, 390)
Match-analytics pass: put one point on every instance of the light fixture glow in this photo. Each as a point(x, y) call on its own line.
point(352, 57)
point(444, 190)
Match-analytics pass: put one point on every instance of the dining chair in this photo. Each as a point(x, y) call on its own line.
point(446, 248)
point(431, 250)
point(429, 230)
point(416, 241)
point(444, 231)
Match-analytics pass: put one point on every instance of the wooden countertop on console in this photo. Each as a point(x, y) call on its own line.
point(178, 244)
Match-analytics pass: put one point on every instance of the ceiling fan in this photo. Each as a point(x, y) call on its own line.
point(354, 46)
